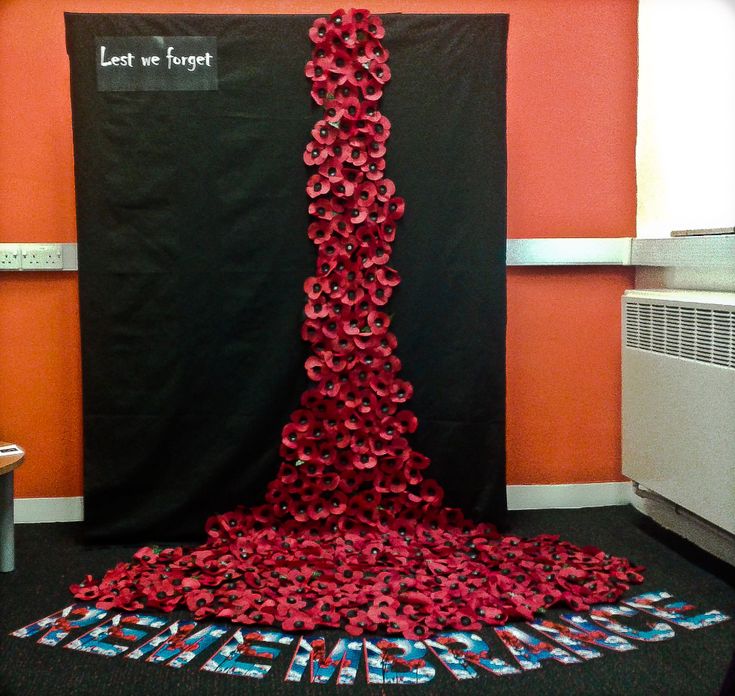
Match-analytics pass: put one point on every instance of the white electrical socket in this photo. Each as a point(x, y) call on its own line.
point(40, 257)
point(9, 257)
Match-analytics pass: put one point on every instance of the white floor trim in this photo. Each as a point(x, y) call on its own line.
point(49, 510)
point(570, 495)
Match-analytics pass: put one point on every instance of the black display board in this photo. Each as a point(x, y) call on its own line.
point(192, 218)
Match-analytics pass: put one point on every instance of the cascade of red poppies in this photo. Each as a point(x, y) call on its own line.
point(351, 534)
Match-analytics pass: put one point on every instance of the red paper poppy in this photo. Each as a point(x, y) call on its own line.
point(334, 111)
point(347, 35)
point(387, 276)
point(315, 368)
point(367, 403)
point(324, 208)
point(365, 460)
point(310, 330)
point(344, 190)
point(320, 90)
point(408, 423)
point(385, 189)
point(256, 616)
point(370, 111)
point(378, 322)
point(86, 590)
point(365, 194)
point(374, 51)
point(315, 153)
point(359, 17)
point(352, 296)
point(375, 27)
point(394, 208)
point(332, 171)
point(199, 600)
point(383, 611)
point(146, 556)
point(380, 131)
point(314, 288)
point(340, 63)
point(317, 186)
point(317, 70)
point(399, 449)
point(352, 108)
point(380, 72)
point(371, 88)
point(319, 30)
point(127, 600)
point(298, 621)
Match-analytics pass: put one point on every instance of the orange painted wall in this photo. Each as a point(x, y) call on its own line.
point(571, 149)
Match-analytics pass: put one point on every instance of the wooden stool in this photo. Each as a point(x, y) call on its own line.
point(11, 457)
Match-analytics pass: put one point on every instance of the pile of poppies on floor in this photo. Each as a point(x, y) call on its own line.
point(351, 533)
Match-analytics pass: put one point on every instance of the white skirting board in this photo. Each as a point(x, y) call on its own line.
point(572, 495)
point(569, 495)
point(49, 510)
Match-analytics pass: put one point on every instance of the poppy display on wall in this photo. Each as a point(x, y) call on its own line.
point(191, 215)
point(353, 532)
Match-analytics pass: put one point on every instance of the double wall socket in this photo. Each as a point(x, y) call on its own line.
point(31, 257)
point(9, 257)
point(41, 257)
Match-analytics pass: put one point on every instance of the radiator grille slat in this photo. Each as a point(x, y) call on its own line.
point(694, 333)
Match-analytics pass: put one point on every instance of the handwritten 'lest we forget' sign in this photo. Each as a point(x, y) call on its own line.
point(156, 63)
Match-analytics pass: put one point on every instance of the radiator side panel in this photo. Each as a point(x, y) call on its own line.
point(678, 425)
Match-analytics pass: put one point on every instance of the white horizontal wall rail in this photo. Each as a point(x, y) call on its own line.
point(712, 252)
point(569, 252)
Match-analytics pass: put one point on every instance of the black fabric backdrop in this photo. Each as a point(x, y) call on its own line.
point(192, 220)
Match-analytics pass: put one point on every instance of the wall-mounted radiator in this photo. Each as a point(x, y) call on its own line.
point(679, 398)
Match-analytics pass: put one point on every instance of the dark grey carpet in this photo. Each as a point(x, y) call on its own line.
point(50, 557)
